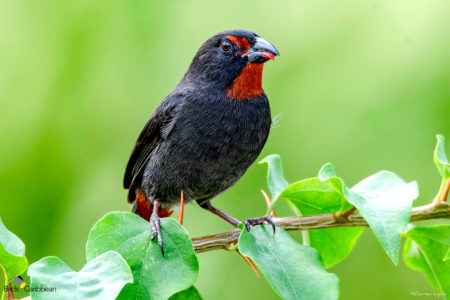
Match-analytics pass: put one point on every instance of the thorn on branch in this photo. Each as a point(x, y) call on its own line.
point(268, 202)
point(10, 294)
point(342, 218)
point(442, 198)
point(249, 261)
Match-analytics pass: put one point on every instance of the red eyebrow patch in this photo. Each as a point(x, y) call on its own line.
point(241, 42)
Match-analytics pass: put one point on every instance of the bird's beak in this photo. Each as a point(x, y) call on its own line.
point(261, 51)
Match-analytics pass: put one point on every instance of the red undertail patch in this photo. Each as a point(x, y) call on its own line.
point(144, 207)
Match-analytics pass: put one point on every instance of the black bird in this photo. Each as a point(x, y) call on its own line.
point(206, 133)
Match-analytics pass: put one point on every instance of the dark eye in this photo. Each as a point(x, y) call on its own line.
point(226, 45)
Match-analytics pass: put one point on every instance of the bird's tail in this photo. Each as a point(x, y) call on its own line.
point(144, 207)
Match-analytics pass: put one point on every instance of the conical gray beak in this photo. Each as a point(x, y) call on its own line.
point(261, 51)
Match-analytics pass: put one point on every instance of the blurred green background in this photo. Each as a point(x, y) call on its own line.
point(362, 84)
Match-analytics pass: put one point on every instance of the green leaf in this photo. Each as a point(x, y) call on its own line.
point(188, 294)
point(447, 256)
point(415, 259)
point(384, 200)
point(3, 283)
point(294, 271)
point(14, 265)
point(275, 178)
point(334, 244)
point(313, 197)
point(10, 241)
point(155, 276)
point(440, 159)
point(12, 253)
point(424, 250)
point(101, 278)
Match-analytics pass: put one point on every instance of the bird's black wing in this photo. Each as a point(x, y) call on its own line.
point(155, 131)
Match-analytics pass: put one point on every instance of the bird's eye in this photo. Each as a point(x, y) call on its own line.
point(226, 46)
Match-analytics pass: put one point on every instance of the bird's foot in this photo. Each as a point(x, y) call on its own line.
point(259, 221)
point(156, 231)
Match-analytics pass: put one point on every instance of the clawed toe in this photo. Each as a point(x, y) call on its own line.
point(259, 221)
point(156, 231)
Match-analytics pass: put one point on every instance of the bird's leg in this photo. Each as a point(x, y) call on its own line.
point(207, 205)
point(235, 222)
point(155, 224)
point(181, 210)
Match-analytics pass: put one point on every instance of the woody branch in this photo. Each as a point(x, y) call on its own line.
point(226, 240)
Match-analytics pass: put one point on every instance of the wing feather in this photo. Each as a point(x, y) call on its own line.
point(154, 132)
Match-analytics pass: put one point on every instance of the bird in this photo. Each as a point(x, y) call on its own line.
point(206, 133)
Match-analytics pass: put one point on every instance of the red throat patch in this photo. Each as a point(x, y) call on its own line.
point(248, 84)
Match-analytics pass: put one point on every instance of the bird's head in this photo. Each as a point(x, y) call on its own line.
point(232, 61)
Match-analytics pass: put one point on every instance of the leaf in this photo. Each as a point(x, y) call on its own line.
point(383, 199)
point(424, 250)
point(14, 265)
point(440, 159)
point(415, 259)
point(155, 276)
point(10, 241)
point(334, 244)
point(3, 283)
point(313, 197)
point(386, 207)
point(12, 253)
point(447, 256)
point(275, 178)
point(294, 271)
point(101, 278)
point(188, 294)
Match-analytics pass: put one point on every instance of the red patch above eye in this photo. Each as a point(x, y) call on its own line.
point(241, 42)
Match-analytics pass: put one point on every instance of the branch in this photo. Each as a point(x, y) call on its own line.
point(227, 240)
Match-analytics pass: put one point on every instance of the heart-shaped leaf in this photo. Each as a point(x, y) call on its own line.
point(383, 199)
point(425, 249)
point(440, 159)
point(294, 271)
point(312, 197)
point(155, 276)
point(101, 278)
point(12, 253)
point(188, 294)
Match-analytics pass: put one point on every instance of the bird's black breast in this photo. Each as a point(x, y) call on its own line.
point(212, 143)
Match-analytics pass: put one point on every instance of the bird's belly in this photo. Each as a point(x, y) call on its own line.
point(205, 158)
